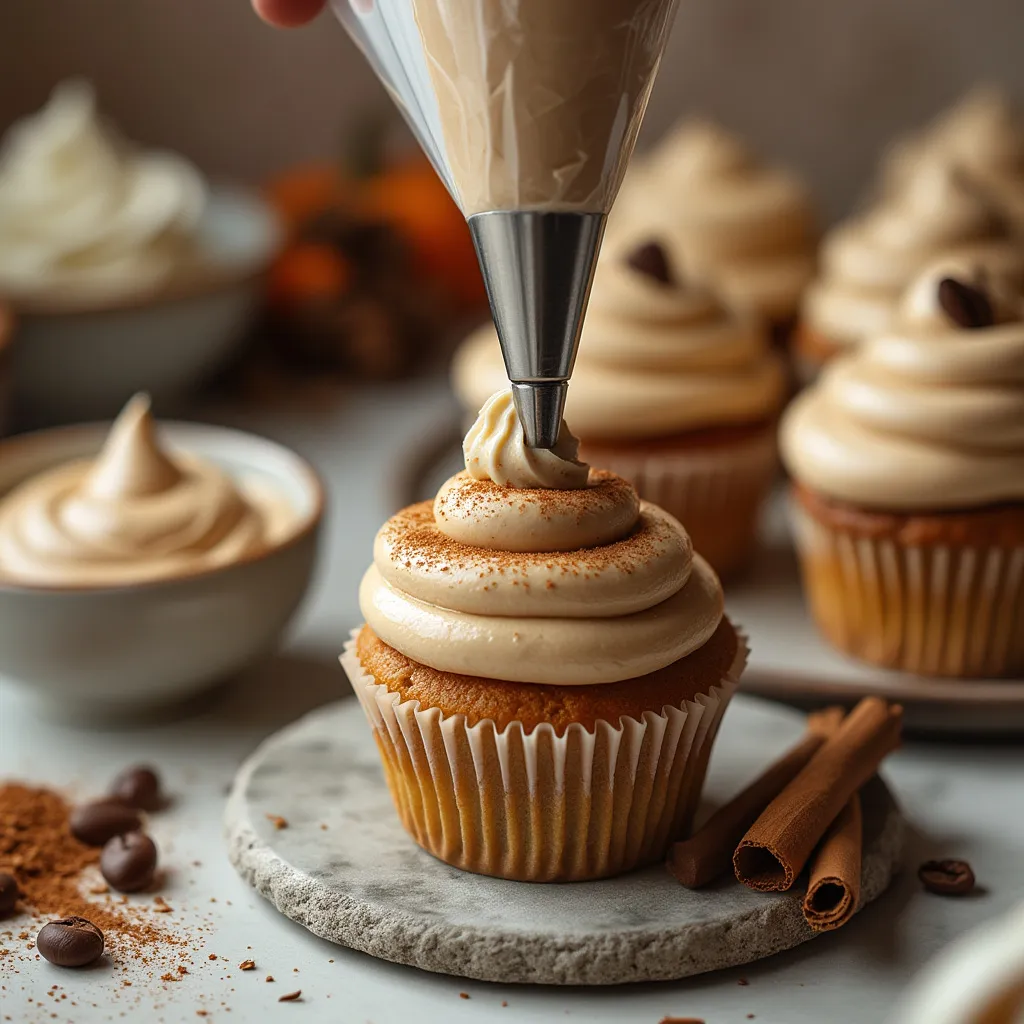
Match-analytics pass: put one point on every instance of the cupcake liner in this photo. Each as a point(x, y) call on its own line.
point(541, 807)
point(938, 610)
point(716, 493)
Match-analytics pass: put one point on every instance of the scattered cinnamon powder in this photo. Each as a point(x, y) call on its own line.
point(277, 821)
point(37, 847)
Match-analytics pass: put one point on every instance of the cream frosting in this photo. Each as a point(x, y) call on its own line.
point(869, 260)
point(927, 415)
point(654, 360)
point(496, 449)
point(135, 514)
point(624, 595)
point(539, 103)
point(746, 226)
point(84, 215)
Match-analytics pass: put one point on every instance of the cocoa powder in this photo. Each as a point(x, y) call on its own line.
point(51, 867)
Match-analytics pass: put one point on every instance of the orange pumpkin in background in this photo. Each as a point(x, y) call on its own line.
point(412, 198)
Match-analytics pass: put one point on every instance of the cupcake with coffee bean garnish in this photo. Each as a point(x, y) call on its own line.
point(545, 664)
point(672, 390)
point(868, 261)
point(908, 461)
point(744, 224)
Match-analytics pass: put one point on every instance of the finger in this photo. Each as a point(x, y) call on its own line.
point(288, 13)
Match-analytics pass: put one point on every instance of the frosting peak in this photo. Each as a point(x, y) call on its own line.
point(131, 464)
point(496, 450)
point(135, 514)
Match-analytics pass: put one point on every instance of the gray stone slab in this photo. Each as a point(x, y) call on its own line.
point(363, 883)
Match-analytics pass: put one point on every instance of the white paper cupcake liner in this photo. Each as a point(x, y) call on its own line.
point(538, 806)
point(716, 493)
point(935, 610)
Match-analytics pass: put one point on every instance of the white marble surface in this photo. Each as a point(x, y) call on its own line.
point(961, 801)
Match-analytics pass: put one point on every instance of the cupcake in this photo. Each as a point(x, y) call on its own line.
point(672, 390)
point(908, 462)
point(747, 227)
point(868, 261)
point(545, 664)
point(983, 135)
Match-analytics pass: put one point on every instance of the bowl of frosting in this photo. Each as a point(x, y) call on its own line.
point(126, 269)
point(140, 565)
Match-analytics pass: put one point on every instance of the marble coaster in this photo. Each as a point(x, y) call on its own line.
point(344, 868)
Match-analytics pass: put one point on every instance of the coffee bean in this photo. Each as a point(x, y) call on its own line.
point(651, 260)
point(128, 862)
point(139, 787)
point(9, 893)
point(70, 942)
point(965, 305)
point(97, 822)
point(947, 877)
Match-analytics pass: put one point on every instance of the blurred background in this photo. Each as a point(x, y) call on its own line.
point(822, 86)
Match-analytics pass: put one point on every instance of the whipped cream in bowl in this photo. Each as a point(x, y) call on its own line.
point(126, 269)
point(139, 564)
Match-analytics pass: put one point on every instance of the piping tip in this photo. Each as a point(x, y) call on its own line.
point(540, 408)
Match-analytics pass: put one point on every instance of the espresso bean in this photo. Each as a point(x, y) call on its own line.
point(128, 862)
point(139, 787)
point(70, 942)
point(947, 877)
point(9, 893)
point(100, 821)
point(652, 261)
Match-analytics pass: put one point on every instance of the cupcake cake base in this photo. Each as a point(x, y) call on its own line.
point(363, 883)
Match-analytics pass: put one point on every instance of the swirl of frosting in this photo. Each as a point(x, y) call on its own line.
point(621, 598)
point(81, 214)
point(496, 449)
point(655, 359)
point(868, 261)
point(747, 227)
point(133, 515)
point(929, 414)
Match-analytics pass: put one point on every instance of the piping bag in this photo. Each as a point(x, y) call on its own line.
point(529, 111)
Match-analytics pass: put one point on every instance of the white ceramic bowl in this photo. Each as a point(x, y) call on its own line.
point(83, 362)
point(102, 652)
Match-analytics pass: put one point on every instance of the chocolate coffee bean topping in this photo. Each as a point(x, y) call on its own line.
point(965, 305)
point(9, 893)
point(128, 862)
point(98, 822)
point(70, 942)
point(651, 260)
point(947, 877)
point(139, 787)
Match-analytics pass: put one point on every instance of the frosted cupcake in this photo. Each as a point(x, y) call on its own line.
point(673, 391)
point(869, 260)
point(983, 135)
point(746, 226)
point(545, 664)
point(908, 461)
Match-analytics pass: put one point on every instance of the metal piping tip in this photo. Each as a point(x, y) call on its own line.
point(538, 268)
point(540, 408)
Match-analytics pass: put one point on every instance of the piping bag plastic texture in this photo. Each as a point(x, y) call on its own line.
point(529, 111)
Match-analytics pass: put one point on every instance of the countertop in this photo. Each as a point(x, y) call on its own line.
point(962, 800)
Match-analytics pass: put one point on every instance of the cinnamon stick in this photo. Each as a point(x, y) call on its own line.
point(778, 845)
point(834, 890)
point(708, 853)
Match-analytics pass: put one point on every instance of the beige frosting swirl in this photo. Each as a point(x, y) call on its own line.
point(84, 215)
point(927, 415)
point(496, 449)
point(624, 595)
point(746, 226)
point(654, 360)
point(868, 261)
point(133, 515)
